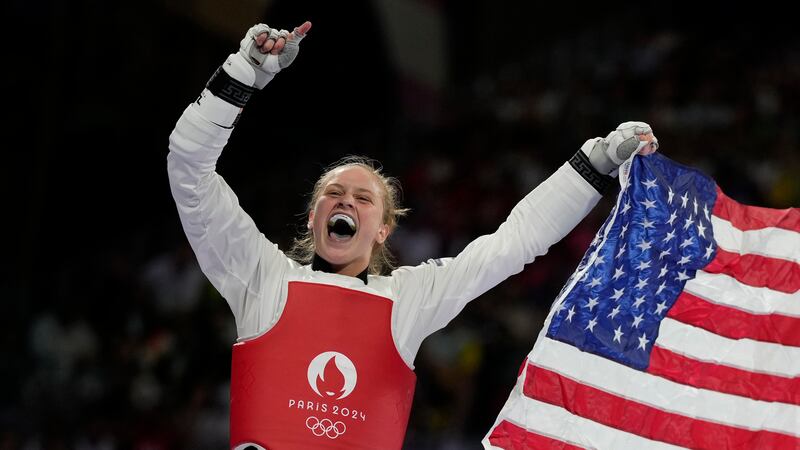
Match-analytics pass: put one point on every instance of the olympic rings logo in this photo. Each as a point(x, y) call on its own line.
point(325, 427)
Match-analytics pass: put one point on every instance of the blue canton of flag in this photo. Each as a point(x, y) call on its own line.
point(658, 236)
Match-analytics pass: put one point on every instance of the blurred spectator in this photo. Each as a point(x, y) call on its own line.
point(174, 280)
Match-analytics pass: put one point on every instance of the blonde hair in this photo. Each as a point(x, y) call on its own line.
point(381, 261)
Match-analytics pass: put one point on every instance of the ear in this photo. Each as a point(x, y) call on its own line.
point(383, 233)
point(310, 219)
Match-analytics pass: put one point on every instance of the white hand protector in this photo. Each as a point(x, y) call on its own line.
point(254, 68)
point(606, 154)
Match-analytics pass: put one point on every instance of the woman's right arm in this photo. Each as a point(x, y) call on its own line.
point(238, 260)
point(225, 239)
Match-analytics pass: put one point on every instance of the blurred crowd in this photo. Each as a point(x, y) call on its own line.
point(127, 346)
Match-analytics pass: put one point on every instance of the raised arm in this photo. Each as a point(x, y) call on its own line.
point(228, 246)
point(433, 293)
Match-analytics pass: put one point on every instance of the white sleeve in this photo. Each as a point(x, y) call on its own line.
point(238, 260)
point(430, 295)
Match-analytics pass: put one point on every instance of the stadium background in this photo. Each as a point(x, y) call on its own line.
point(112, 339)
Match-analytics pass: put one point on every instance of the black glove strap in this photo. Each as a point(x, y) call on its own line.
point(229, 89)
point(580, 162)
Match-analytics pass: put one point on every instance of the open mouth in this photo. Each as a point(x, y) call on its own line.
point(341, 227)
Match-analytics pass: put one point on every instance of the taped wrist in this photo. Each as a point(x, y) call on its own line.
point(580, 162)
point(229, 89)
point(217, 110)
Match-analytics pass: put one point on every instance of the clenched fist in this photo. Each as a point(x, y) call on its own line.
point(606, 154)
point(269, 50)
point(263, 52)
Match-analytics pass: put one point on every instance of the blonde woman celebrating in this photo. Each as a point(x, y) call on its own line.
point(327, 339)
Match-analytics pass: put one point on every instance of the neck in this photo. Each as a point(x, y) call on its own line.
point(354, 269)
point(351, 270)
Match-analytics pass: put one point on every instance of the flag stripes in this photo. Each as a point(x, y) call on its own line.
point(747, 354)
point(756, 270)
point(654, 423)
point(734, 323)
point(708, 375)
point(770, 242)
point(563, 426)
point(510, 435)
point(724, 290)
point(746, 217)
point(660, 394)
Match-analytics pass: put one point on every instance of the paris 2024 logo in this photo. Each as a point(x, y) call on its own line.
point(332, 376)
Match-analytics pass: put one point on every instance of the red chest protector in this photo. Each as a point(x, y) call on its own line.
point(327, 375)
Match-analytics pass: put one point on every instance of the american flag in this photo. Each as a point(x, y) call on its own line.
point(679, 329)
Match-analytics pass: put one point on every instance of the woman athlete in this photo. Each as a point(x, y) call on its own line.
point(327, 340)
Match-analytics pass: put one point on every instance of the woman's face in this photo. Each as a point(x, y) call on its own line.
point(347, 219)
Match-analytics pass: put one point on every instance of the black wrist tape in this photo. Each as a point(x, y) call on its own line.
point(580, 162)
point(229, 89)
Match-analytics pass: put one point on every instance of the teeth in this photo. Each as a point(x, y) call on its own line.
point(347, 219)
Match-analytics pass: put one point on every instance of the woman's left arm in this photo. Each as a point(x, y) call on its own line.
point(433, 293)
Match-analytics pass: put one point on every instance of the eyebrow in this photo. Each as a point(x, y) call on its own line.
point(358, 189)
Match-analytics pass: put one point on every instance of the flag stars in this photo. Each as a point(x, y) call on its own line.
point(680, 242)
point(672, 217)
point(688, 222)
point(709, 251)
point(644, 245)
point(618, 334)
point(643, 341)
point(684, 199)
point(648, 204)
point(591, 325)
point(701, 229)
point(570, 313)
